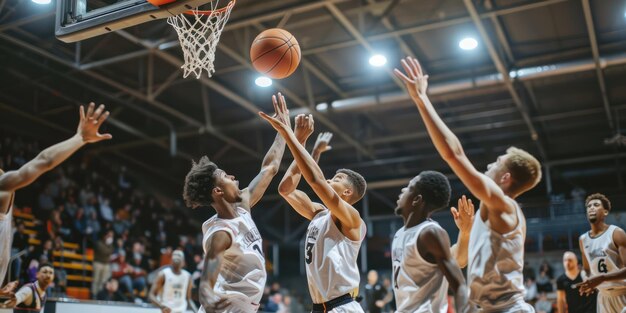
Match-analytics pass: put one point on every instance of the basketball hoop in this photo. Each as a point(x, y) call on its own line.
point(199, 32)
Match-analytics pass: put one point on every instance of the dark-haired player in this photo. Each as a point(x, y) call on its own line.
point(604, 257)
point(234, 273)
point(423, 265)
point(334, 236)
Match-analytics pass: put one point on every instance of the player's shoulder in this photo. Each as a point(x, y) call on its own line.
point(619, 236)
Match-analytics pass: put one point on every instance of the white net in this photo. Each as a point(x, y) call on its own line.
point(198, 33)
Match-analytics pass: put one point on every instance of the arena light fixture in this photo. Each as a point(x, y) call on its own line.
point(42, 1)
point(468, 43)
point(378, 60)
point(263, 81)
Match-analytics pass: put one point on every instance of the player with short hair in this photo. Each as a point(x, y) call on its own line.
point(171, 291)
point(423, 265)
point(604, 257)
point(234, 266)
point(334, 236)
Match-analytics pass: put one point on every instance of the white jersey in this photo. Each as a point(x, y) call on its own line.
point(330, 259)
point(242, 277)
point(603, 257)
point(495, 263)
point(419, 286)
point(175, 286)
point(6, 235)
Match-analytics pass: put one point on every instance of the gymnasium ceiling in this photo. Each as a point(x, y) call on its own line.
point(547, 76)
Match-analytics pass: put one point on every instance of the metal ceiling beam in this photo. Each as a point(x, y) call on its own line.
point(389, 26)
point(505, 76)
point(429, 26)
point(343, 20)
point(134, 93)
point(596, 58)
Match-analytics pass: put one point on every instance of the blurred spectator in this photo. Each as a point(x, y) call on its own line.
point(531, 290)
point(111, 292)
point(126, 275)
point(101, 261)
point(374, 291)
point(543, 282)
point(568, 297)
point(543, 305)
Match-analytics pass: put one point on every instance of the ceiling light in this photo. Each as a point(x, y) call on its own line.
point(468, 43)
point(378, 60)
point(263, 81)
point(42, 1)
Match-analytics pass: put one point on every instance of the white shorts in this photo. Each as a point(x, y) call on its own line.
point(611, 303)
point(352, 307)
point(518, 307)
point(238, 304)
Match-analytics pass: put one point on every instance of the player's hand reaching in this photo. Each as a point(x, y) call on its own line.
point(464, 215)
point(165, 309)
point(588, 287)
point(9, 304)
point(280, 120)
point(90, 123)
point(304, 127)
point(8, 290)
point(322, 143)
point(415, 81)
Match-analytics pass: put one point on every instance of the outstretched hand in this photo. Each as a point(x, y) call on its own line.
point(304, 127)
point(322, 142)
point(9, 289)
point(90, 123)
point(464, 215)
point(415, 81)
point(280, 120)
point(588, 287)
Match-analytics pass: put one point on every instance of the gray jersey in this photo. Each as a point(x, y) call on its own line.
point(242, 277)
point(495, 263)
point(330, 259)
point(419, 286)
point(6, 233)
point(603, 257)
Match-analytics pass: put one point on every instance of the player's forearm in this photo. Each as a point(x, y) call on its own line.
point(460, 249)
point(307, 165)
point(274, 155)
point(209, 279)
point(445, 141)
point(292, 177)
point(152, 297)
point(617, 275)
point(560, 306)
point(461, 296)
point(56, 154)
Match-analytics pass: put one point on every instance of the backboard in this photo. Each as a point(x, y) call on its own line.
point(81, 19)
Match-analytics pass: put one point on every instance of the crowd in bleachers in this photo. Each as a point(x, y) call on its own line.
point(104, 235)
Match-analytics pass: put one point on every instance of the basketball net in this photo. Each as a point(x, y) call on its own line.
point(199, 32)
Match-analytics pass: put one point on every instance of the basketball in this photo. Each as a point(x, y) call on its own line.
point(275, 53)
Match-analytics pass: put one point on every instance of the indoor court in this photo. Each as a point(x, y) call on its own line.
point(183, 79)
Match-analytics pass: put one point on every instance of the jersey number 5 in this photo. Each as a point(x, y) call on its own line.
point(309, 252)
point(602, 266)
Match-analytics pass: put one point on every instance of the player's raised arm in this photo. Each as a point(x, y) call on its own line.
point(447, 144)
point(464, 218)
point(51, 157)
point(271, 162)
point(299, 200)
point(219, 242)
point(437, 244)
point(347, 215)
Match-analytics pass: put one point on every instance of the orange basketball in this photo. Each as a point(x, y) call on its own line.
point(275, 53)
